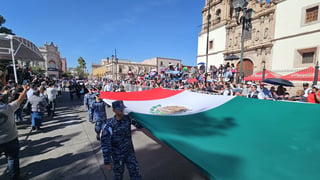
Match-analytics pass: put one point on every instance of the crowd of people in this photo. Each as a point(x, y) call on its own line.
point(218, 84)
point(16, 101)
point(37, 97)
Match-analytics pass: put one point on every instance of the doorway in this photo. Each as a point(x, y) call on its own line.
point(247, 67)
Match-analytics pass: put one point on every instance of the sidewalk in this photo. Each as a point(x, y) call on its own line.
point(66, 148)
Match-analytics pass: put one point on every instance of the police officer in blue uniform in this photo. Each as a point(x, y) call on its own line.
point(100, 115)
point(87, 101)
point(116, 144)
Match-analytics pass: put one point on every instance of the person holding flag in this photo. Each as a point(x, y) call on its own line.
point(116, 144)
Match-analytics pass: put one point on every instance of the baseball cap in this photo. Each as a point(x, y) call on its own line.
point(262, 84)
point(316, 86)
point(305, 84)
point(118, 105)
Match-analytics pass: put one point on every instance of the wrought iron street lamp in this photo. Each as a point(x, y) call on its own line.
point(114, 64)
point(207, 48)
point(263, 70)
point(316, 71)
point(245, 20)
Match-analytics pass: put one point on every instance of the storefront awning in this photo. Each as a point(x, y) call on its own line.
point(13, 47)
point(23, 49)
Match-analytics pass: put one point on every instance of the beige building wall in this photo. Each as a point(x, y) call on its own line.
point(294, 37)
point(99, 72)
point(215, 54)
point(115, 70)
point(53, 64)
point(162, 63)
point(219, 17)
point(123, 68)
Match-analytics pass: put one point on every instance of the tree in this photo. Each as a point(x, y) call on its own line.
point(67, 74)
point(79, 72)
point(4, 29)
point(38, 70)
point(2, 20)
point(81, 67)
point(82, 62)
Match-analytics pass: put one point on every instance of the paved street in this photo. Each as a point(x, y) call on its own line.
point(66, 148)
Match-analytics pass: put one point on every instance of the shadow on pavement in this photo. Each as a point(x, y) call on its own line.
point(38, 144)
point(67, 166)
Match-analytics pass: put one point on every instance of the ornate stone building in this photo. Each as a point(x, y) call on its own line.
point(53, 63)
point(117, 68)
point(225, 35)
point(64, 64)
point(164, 63)
point(258, 40)
point(284, 36)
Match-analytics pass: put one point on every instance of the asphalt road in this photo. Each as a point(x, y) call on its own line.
point(66, 148)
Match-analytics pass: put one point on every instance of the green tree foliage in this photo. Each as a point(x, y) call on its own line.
point(37, 70)
point(79, 72)
point(4, 29)
point(2, 20)
point(82, 62)
point(85, 75)
point(81, 67)
point(67, 74)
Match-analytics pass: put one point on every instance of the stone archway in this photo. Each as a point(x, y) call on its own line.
point(247, 67)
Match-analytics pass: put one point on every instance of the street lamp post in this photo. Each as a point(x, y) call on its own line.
point(316, 69)
point(264, 70)
point(245, 20)
point(114, 60)
point(207, 48)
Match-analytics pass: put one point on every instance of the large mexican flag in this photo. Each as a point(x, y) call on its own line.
point(232, 138)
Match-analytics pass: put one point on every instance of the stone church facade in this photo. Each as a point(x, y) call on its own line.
point(284, 36)
point(258, 41)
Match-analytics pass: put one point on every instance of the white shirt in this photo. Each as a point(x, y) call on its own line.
point(306, 92)
point(30, 93)
point(52, 93)
point(260, 96)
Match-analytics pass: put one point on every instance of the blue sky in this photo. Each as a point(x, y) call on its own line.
point(138, 29)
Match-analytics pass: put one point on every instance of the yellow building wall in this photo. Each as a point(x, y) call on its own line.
point(99, 72)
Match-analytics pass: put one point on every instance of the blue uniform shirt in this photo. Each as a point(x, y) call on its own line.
point(99, 110)
point(116, 139)
point(88, 99)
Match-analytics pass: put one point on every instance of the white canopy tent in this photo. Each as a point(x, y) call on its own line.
point(12, 47)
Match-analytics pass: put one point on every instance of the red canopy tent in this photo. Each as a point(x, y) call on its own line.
point(258, 76)
point(303, 75)
point(192, 80)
